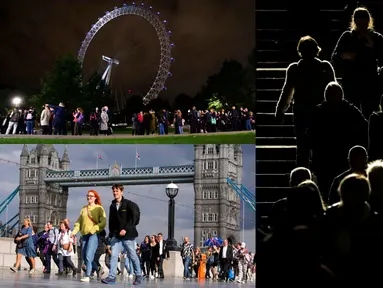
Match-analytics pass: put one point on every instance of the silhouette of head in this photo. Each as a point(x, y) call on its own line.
point(298, 175)
point(333, 93)
point(354, 191)
point(306, 199)
point(357, 158)
point(308, 48)
point(361, 20)
point(375, 176)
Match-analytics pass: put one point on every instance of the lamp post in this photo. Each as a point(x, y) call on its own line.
point(171, 192)
point(16, 101)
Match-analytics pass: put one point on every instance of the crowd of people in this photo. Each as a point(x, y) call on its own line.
point(141, 260)
point(53, 120)
point(326, 232)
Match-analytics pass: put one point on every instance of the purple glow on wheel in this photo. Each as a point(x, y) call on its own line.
point(158, 13)
point(170, 74)
point(172, 44)
point(142, 4)
point(170, 32)
point(165, 21)
point(134, 3)
point(150, 7)
point(172, 59)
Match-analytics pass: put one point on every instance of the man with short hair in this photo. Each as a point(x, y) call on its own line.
point(163, 254)
point(52, 249)
point(124, 216)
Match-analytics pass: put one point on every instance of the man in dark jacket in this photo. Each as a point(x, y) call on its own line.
point(124, 216)
point(225, 259)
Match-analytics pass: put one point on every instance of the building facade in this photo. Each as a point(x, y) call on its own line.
point(217, 206)
point(39, 201)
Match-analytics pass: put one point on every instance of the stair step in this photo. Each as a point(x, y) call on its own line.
point(283, 34)
point(271, 73)
point(269, 118)
point(285, 141)
point(283, 4)
point(267, 18)
point(270, 82)
point(273, 152)
point(275, 44)
point(274, 166)
point(271, 194)
point(276, 55)
point(272, 64)
point(275, 130)
point(270, 180)
point(268, 94)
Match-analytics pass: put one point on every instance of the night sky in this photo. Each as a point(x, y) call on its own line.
point(205, 32)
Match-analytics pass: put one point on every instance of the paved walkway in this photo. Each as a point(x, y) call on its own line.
point(22, 279)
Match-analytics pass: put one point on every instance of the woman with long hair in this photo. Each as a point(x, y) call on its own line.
point(65, 250)
point(154, 254)
point(78, 120)
point(90, 223)
point(25, 247)
point(358, 54)
point(145, 255)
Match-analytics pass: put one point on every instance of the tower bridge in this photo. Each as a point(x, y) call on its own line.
point(45, 180)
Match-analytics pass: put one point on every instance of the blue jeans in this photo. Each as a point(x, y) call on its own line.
point(162, 129)
point(248, 124)
point(129, 265)
point(187, 262)
point(117, 245)
point(89, 247)
point(29, 127)
point(181, 129)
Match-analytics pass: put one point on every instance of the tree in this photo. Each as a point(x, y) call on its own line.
point(62, 84)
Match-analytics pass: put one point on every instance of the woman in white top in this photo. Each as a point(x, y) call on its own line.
point(65, 249)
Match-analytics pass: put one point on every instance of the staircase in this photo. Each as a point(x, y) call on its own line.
point(276, 49)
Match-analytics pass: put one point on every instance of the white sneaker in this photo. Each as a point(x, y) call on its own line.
point(156, 274)
point(131, 276)
point(85, 279)
point(32, 271)
point(151, 277)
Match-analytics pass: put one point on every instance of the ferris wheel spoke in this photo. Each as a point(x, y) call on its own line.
point(162, 33)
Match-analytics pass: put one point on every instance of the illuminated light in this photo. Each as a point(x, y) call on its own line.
point(170, 74)
point(150, 7)
point(158, 13)
point(170, 32)
point(130, 91)
point(172, 44)
point(134, 3)
point(142, 4)
point(165, 21)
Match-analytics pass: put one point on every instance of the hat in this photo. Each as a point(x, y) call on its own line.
point(243, 245)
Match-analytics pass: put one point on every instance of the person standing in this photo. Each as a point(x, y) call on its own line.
point(124, 216)
point(225, 258)
point(163, 254)
point(90, 223)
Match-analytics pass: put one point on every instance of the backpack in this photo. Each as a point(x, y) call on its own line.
point(135, 212)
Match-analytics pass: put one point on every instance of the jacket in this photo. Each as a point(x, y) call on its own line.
point(126, 217)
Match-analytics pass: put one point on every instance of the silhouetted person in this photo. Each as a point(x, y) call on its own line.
point(375, 136)
point(347, 230)
point(337, 126)
point(357, 159)
point(305, 83)
point(297, 176)
point(358, 54)
point(290, 256)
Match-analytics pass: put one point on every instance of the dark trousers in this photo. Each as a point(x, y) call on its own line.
point(196, 268)
point(225, 268)
point(42, 257)
point(65, 261)
point(153, 266)
point(49, 255)
point(301, 126)
point(194, 126)
point(145, 266)
point(93, 128)
point(45, 129)
point(160, 266)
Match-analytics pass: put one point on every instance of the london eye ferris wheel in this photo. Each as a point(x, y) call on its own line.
point(163, 35)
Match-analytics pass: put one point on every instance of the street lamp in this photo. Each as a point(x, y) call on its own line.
point(171, 192)
point(16, 101)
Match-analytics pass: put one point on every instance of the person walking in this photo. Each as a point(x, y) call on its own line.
point(124, 216)
point(90, 223)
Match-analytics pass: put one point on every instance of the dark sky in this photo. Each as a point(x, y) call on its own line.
point(205, 33)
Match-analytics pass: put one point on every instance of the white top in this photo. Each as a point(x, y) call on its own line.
point(161, 246)
point(224, 251)
point(64, 239)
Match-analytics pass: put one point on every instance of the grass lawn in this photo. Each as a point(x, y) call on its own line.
point(228, 138)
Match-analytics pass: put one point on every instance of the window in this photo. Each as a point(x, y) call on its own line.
point(204, 217)
point(210, 150)
point(204, 195)
point(210, 194)
point(214, 232)
point(36, 199)
point(33, 160)
point(215, 194)
point(215, 217)
point(210, 165)
point(31, 173)
point(34, 219)
point(203, 232)
point(27, 200)
point(210, 218)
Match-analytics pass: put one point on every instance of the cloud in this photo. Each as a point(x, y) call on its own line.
point(151, 199)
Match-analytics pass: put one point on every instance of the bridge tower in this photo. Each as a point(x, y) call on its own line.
point(40, 201)
point(216, 205)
